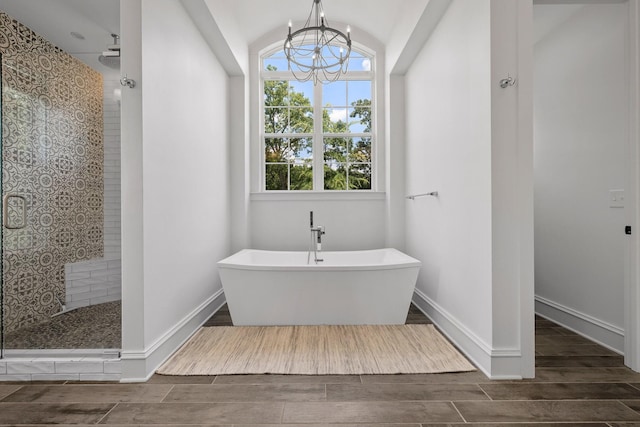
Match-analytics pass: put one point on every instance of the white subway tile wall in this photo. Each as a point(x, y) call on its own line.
point(98, 281)
point(92, 282)
point(96, 368)
point(112, 242)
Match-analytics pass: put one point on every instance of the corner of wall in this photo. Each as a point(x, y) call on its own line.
point(495, 363)
point(512, 189)
point(133, 306)
point(139, 366)
point(395, 186)
point(605, 334)
point(220, 34)
point(239, 161)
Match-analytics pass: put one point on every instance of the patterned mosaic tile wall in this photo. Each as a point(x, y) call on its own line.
point(52, 151)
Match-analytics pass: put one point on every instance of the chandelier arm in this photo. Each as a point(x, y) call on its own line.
point(301, 50)
point(339, 34)
point(317, 52)
point(336, 35)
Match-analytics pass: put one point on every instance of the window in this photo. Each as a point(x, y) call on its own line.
point(317, 137)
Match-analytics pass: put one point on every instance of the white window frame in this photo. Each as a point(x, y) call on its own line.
point(318, 134)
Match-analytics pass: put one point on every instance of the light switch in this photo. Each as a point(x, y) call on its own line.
point(616, 198)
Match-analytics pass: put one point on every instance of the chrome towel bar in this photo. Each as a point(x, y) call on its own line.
point(413, 196)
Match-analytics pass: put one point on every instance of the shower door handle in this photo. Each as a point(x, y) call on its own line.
point(5, 211)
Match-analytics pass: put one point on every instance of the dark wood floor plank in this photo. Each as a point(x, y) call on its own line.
point(403, 392)
point(338, 425)
point(247, 393)
point(633, 404)
point(95, 393)
point(181, 379)
point(448, 378)
point(579, 361)
point(523, 425)
point(195, 413)
point(541, 411)
point(550, 331)
point(560, 391)
point(370, 412)
point(541, 322)
point(290, 379)
point(7, 389)
point(561, 340)
point(52, 413)
point(573, 350)
point(590, 375)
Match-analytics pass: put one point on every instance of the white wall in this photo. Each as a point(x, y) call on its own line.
point(513, 340)
point(448, 149)
point(581, 134)
point(184, 187)
point(471, 141)
point(350, 224)
point(185, 166)
point(133, 304)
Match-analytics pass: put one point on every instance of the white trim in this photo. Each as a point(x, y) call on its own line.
point(632, 252)
point(599, 331)
point(366, 44)
point(139, 366)
point(272, 196)
point(318, 135)
point(498, 363)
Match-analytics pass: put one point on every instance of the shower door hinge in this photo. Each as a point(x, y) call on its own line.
point(627, 229)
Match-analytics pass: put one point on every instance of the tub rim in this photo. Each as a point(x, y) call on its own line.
point(409, 262)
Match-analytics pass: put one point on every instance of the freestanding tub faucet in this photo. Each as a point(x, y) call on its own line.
point(316, 240)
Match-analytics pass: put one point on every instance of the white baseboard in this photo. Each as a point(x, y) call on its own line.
point(603, 333)
point(139, 366)
point(495, 363)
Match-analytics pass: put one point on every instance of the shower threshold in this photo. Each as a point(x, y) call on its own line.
point(61, 365)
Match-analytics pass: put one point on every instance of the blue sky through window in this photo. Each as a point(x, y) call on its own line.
point(357, 61)
point(305, 87)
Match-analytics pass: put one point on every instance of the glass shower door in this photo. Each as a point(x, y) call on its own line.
point(52, 190)
point(32, 273)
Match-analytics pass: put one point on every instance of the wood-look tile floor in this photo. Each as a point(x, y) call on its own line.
point(577, 384)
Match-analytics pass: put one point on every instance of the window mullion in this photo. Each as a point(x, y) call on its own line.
point(318, 141)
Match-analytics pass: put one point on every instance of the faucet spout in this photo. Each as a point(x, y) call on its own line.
point(316, 240)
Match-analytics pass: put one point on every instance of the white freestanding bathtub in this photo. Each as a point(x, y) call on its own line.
point(371, 287)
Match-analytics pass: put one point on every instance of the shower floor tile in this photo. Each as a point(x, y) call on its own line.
point(96, 326)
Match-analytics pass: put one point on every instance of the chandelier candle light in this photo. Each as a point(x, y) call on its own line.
point(317, 51)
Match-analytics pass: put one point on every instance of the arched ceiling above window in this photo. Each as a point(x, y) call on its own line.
point(377, 17)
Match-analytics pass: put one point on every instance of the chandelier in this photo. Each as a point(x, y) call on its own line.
point(316, 51)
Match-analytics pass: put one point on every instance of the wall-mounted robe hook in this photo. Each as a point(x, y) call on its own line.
point(124, 81)
point(509, 81)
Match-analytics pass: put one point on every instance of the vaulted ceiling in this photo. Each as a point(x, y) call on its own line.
point(377, 17)
point(97, 19)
